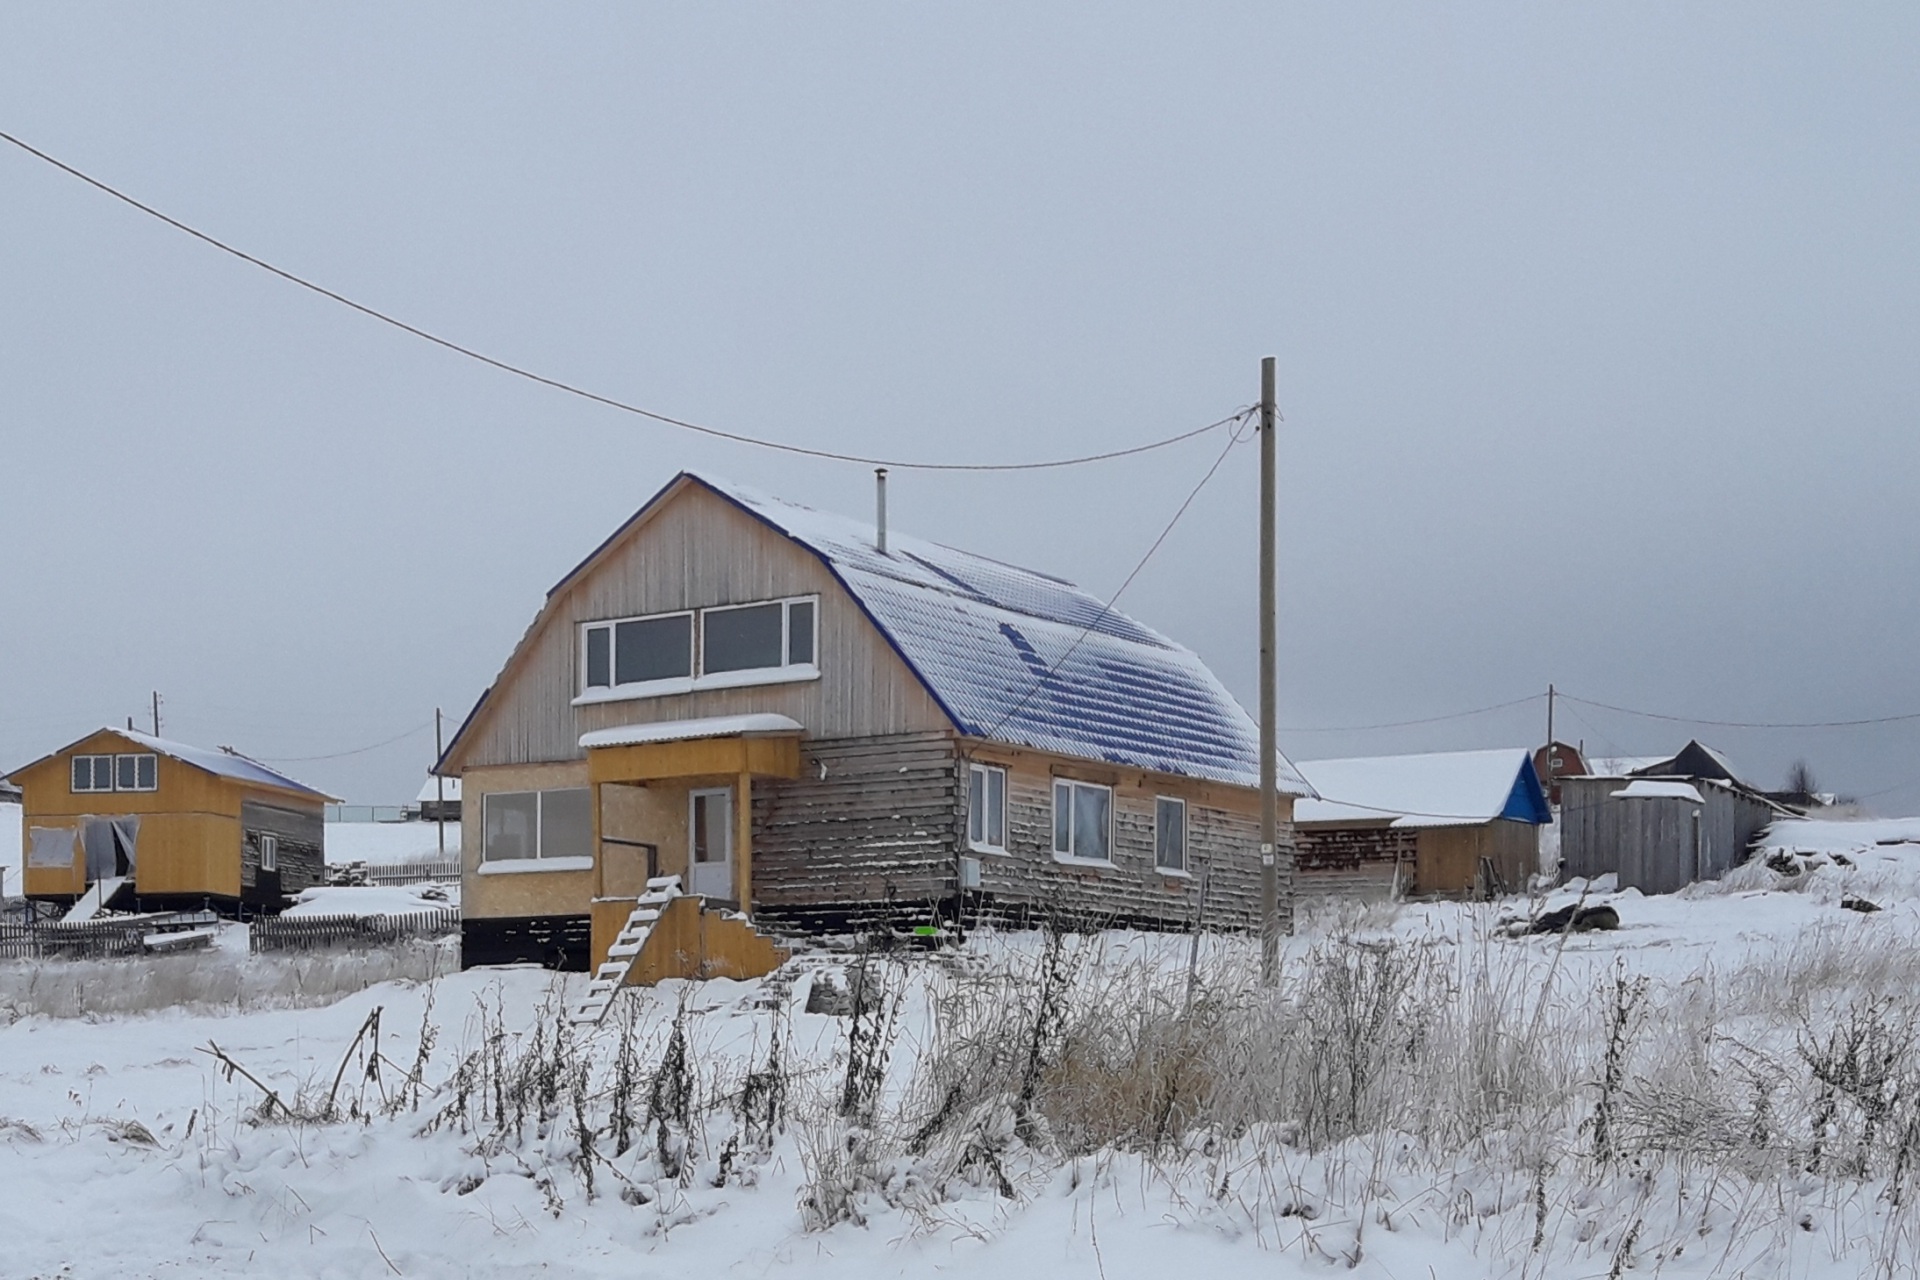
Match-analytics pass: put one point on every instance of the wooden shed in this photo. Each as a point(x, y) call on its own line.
point(823, 729)
point(165, 824)
point(1445, 824)
point(1664, 825)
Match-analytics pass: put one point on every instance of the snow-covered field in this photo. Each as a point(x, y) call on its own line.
point(389, 841)
point(1728, 1085)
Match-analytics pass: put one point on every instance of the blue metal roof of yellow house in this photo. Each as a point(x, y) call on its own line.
point(1027, 659)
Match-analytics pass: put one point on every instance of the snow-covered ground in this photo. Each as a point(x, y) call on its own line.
point(389, 841)
point(374, 900)
point(128, 1150)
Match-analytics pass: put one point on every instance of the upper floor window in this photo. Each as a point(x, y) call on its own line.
point(137, 772)
point(987, 807)
point(705, 648)
point(269, 853)
point(1082, 821)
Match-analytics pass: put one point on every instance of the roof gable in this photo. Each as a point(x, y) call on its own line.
point(222, 764)
point(1009, 655)
point(1434, 789)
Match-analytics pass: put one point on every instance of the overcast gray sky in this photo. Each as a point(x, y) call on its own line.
point(1598, 333)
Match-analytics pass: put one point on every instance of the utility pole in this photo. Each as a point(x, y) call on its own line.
point(439, 784)
point(1552, 755)
point(1269, 745)
point(156, 713)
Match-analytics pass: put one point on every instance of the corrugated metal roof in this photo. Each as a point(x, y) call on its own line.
point(1028, 659)
point(224, 763)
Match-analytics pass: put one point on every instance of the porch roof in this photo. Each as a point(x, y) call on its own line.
point(757, 724)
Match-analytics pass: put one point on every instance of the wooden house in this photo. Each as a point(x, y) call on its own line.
point(1662, 824)
point(174, 825)
point(820, 727)
point(1555, 761)
point(1448, 824)
point(438, 801)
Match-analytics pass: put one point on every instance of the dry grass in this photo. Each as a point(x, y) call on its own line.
point(208, 981)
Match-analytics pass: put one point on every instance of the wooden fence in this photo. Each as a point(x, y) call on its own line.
point(315, 933)
point(93, 939)
point(439, 871)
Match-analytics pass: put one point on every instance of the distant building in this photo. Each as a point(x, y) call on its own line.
point(1555, 761)
point(1449, 824)
point(439, 800)
point(174, 825)
point(1663, 823)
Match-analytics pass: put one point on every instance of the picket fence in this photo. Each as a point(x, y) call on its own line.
point(315, 933)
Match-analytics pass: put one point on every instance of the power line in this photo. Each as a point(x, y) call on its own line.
point(571, 389)
point(1233, 439)
point(1404, 724)
point(341, 755)
point(1746, 724)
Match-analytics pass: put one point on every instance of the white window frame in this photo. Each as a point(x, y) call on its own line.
point(269, 852)
point(113, 760)
point(1185, 829)
point(93, 760)
point(1070, 785)
point(636, 688)
point(979, 782)
point(540, 859)
point(786, 673)
point(136, 757)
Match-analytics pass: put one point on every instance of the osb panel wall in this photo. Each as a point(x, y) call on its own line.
point(868, 821)
point(518, 893)
point(699, 550)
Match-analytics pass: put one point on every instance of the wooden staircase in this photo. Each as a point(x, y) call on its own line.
point(626, 948)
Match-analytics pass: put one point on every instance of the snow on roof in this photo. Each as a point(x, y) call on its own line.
point(681, 730)
point(1024, 658)
point(1652, 789)
point(226, 764)
point(431, 792)
point(1450, 788)
point(1621, 766)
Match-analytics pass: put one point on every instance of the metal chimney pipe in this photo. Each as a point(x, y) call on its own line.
point(880, 509)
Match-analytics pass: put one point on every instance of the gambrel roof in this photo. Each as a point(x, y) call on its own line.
point(1015, 656)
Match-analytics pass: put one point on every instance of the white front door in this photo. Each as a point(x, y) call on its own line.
point(710, 828)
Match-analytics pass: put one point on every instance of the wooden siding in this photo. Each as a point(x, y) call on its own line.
point(867, 823)
point(299, 858)
point(1649, 843)
point(1223, 841)
point(1366, 862)
point(695, 551)
point(1449, 861)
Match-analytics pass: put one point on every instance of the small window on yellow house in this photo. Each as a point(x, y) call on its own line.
point(269, 853)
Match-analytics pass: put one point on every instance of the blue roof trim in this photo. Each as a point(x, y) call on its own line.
point(1528, 800)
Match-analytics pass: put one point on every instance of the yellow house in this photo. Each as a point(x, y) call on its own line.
point(176, 825)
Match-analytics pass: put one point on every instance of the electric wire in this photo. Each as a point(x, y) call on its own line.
point(1745, 724)
point(1404, 724)
point(1233, 438)
point(583, 393)
point(341, 755)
